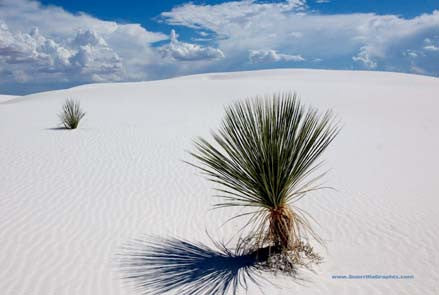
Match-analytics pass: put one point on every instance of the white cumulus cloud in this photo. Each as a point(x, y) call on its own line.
point(234, 13)
point(431, 48)
point(182, 51)
point(268, 56)
point(86, 57)
point(362, 40)
point(52, 46)
point(365, 59)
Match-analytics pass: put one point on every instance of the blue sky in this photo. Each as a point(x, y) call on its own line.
point(53, 44)
point(144, 12)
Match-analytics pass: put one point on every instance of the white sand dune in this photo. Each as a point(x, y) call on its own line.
point(4, 98)
point(69, 200)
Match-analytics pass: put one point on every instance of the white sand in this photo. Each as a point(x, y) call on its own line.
point(4, 98)
point(70, 199)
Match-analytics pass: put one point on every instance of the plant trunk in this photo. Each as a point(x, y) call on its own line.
point(281, 226)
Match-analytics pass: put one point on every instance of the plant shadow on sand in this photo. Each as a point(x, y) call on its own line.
point(61, 128)
point(157, 266)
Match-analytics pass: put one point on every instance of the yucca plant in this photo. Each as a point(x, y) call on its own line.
point(71, 114)
point(264, 157)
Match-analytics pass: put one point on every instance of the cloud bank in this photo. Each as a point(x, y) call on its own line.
point(358, 40)
point(48, 47)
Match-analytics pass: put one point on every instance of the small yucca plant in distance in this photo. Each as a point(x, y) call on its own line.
point(71, 114)
point(264, 157)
